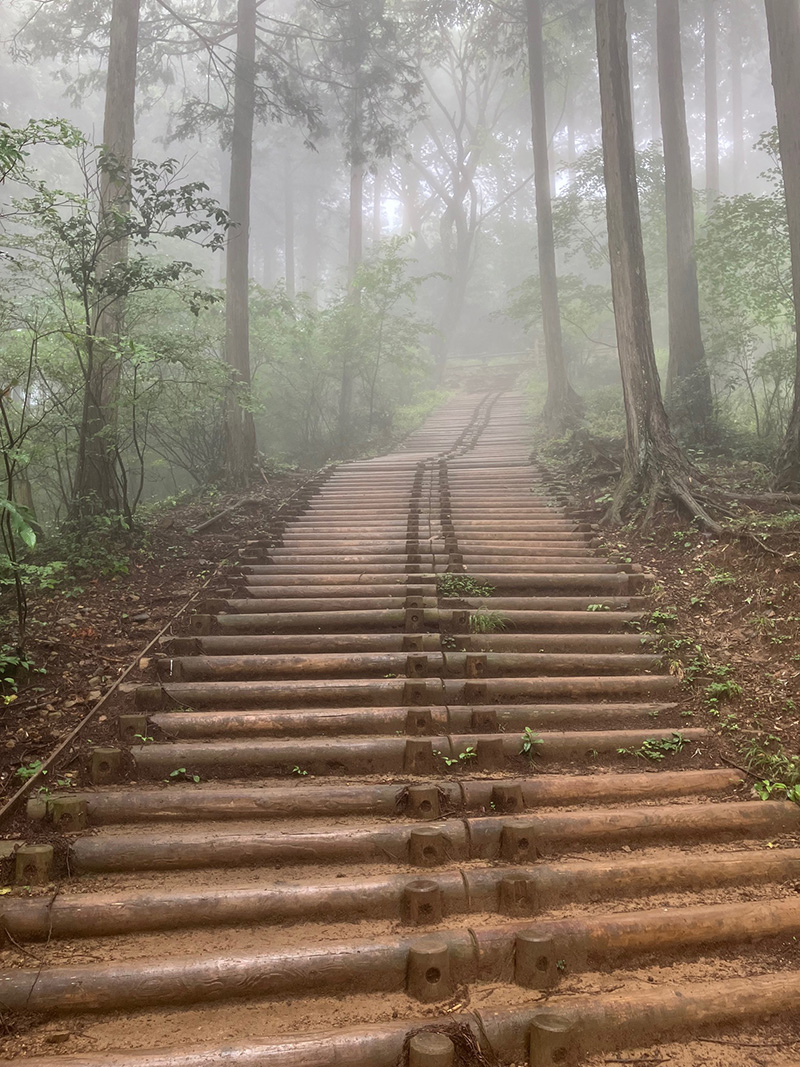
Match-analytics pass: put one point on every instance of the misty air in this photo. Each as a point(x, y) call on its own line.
point(399, 517)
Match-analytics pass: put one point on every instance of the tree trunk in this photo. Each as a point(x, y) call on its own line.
point(288, 227)
point(377, 204)
point(571, 140)
point(737, 107)
point(712, 106)
point(311, 246)
point(632, 82)
point(783, 27)
point(688, 382)
point(240, 436)
point(655, 116)
point(562, 407)
point(653, 464)
point(355, 252)
point(96, 487)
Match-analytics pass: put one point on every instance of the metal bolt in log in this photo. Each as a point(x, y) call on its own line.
point(518, 895)
point(418, 756)
point(535, 961)
point(508, 799)
point(106, 765)
point(423, 802)
point(431, 1050)
point(427, 847)
point(419, 722)
point(553, 1041)
point(422, 903)
point(484, 720)
point(33, 865)
point(490, 754)
point(518, 842)
point(130, 726)
point(428, 971)
point(69, 813)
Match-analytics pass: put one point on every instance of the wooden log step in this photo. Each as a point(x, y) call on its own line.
point(383, 692)
point(414, 722)
point(184, 801)
point(391, 844)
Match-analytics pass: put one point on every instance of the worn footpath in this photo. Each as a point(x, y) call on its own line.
point(380, 804)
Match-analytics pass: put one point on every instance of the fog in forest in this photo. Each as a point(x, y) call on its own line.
point(155, 341)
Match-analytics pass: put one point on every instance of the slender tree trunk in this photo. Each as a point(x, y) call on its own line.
point(712, 105)
point(632, 81)
point(288, 227)
point(240, 435)
point(571, 140)
point(688, 383)
point(355, 252)
point(459, 269)
point(783, 26)
point(96, 487)
point(562, 406)
point(655, 115)
point(653, 464)
point(311, 247)
point(377, 205)
point(737, 107)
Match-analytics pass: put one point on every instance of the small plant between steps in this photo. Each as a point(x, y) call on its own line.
point(767, 790)
point(530, 743)
point(768, 756)
point(459, 760)
point(486, 622)
point(656, 748)
point(461, 585)
point(180, 774)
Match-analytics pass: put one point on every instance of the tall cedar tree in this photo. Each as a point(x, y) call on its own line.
point(240, 435)
point(783, 27)
point(95, 487)
point(688, 392)
point(711, 103)
point(653, 464)
point(562, 407)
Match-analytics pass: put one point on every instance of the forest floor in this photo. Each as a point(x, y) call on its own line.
point(101, 615)
point(726, 610)
point(726, 613)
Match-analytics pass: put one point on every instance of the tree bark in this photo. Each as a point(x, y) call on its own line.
point(311, 246)
point(240, 436)
point(688, 391)
point(783, 27)
point(355, 253)
point(96, 487)
point(653, 464)
point(737, 107)
point(711, 105)
point(562, 407)
point(377, 206)
point(288, 227)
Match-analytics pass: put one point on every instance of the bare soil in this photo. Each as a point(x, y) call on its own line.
point(86, 632)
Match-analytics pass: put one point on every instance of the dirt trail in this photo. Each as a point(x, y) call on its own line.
point(377, 787)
